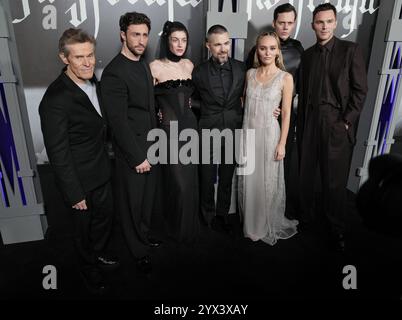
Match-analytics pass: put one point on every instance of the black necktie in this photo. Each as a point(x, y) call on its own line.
point(324, 53)
point(320, 75)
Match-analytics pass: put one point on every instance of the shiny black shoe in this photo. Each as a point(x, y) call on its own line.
point(154, 243)
point(144, 264)
point(338, 242)
point(107, 261)
point(94, 280)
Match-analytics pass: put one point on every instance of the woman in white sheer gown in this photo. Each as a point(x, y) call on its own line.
point(262, 192)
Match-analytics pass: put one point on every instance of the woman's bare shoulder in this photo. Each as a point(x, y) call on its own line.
point(188, 63)
point(156, 67)
point(155, 64)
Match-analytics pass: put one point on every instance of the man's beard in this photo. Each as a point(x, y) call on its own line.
point(134, 51)
point(222, 60)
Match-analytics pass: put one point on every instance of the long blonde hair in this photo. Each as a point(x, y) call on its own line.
point(278, 59)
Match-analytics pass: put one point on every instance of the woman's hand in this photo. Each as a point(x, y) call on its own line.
point(280, 152)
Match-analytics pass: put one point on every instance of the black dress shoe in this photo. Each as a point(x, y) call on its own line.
point(223, 223)
point(154, 243)
point(107, 261)
point(338, 242)
point(144, 264)
point(206, 222)
point(227, 227)
point(94, 280)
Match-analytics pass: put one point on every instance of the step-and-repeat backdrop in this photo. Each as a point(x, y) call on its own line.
point(38, 25)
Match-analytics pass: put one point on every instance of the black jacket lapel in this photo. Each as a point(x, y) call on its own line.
point(98, 92)
point(79, 95)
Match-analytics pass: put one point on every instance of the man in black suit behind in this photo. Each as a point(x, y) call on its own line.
point(333, 88)
point(219, 84)
point(74, 132)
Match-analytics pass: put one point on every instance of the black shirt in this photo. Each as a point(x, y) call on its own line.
point(292, 51)
point(128, 96)
point(326, 95)
point(221, 78)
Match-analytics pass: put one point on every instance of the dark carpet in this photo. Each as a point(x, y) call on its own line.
point(220, 267)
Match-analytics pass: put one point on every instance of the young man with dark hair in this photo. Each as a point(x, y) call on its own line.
point(324, 7)
point(127, 91)
point(333, 87)
point(133, 18)
point(285, 8)
point(74, 132)
point(284, 23)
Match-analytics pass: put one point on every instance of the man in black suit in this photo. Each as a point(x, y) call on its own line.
point(333, 88)
point(74, 132)
point(219, 83)
point(127, 90)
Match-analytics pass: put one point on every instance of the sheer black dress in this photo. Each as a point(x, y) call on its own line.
point(180, 181)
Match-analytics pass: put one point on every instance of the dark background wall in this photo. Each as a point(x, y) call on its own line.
point(38, 45)
point(356, 20)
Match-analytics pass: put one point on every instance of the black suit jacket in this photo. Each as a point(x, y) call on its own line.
point(75, 139)
point(217, 113)
point(127, 92)
point(348, 78)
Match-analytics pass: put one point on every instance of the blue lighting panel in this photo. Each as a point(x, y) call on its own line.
point(8, 153)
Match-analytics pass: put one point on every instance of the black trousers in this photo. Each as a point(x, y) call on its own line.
point(221, 172)
point(135, 198)
point(326, 146)
point(93, 226)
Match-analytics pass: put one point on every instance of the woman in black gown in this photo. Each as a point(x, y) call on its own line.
point(173, 89)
